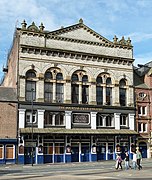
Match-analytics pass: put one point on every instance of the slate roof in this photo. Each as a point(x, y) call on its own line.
point(8, 94)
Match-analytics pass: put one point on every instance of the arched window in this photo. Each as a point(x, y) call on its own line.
point(59, 76)
point(59, 119)
point(30, 88)
point(76, 86)
point(85, 78)
point(48, 87)
point(108, 91)
point(122, 92)
point(75, 89)
point(59, 88)
point(99, 91)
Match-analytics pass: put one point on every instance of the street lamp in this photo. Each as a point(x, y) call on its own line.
point(32, 90)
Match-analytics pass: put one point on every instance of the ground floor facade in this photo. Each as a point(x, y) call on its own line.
point(63, 148)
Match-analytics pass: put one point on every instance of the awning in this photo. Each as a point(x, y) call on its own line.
point(76, 131)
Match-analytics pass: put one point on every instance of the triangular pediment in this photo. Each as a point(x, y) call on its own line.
point(80, 32)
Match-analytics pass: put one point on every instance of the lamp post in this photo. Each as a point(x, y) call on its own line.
point(32, 123)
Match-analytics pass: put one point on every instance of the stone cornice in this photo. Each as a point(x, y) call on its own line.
point(75, 55)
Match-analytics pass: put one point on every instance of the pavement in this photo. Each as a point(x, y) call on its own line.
point(75, 171)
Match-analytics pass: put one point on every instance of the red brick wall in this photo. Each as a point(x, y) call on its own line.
point(8, 120)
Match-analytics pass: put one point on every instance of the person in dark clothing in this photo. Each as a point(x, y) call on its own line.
point(127, 166)
point(119, 161)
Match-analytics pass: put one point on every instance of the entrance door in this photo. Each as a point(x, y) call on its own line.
point(74, 152)
point(101, 152)
point(110, 150)
point(143, 149)
point(85, 149)
point(28, 155)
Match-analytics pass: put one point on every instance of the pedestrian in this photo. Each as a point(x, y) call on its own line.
point(118, 162)
point(134, 160)
point(126, 161)
point(139, 158)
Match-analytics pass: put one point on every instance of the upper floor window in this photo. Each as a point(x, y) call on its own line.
point(142, 127)
point(99, 91)
point(48, 118)
point(48, 76)
point(108, 91)
point(142, 110)
point(122, 92)
point(123, 120)
point(30, 91)
point(29, 117)
point(79, 88)
point(100, 120)
point(59, 119)
point(59, 76)
point(108, 121)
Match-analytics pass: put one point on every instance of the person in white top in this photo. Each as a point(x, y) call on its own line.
point(134, 160)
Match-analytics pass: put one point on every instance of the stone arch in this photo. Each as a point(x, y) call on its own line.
point(85, 69)
point(111, 75)
point(37, 70)
point(128, 80)
point(62, 69)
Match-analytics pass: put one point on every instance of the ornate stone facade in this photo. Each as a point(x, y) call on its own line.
point(75, 89)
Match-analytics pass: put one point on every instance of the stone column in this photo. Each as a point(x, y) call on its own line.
point(40, 118)
point(67, 90)
point(117, 120)
point(54, 92)
point(93, 120)
point(131, 121)
point(21, 118)
point(68, 119)
point(40, 90)
point(92, 92)
point(22, 90)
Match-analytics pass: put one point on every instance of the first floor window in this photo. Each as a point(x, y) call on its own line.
point(123, 120)
point(108, 121)
point(100, 121)
point(59, 119)
point(48, 119)
point(29, 117)
point(1, 151)
point(9, 151)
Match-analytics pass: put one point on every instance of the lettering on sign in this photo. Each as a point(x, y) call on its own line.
point(81, 118)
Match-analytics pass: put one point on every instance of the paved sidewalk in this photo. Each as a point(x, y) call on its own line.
point(75, 171)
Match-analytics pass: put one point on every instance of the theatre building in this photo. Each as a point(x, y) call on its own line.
point(75, 94)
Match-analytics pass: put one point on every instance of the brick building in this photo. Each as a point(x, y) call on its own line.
point(75, 94)
point(8, 125)
point(143, 94)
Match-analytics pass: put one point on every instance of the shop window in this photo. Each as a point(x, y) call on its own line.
point(59, 148)
point(48, 148)
point(9, 151)
point(1, 151)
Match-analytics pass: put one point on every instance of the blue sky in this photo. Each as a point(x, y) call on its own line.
point(128, 18)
